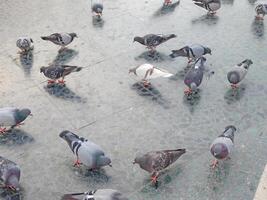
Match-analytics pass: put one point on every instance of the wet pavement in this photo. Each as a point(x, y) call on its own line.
point(107, 105)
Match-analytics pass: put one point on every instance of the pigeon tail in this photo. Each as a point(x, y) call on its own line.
point(229, 132)
point(45, 37)
point(168, 37)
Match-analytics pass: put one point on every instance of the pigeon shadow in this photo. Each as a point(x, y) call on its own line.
point(10, 195)
point(94, 176)
point(234, 95)
point(98, 22)
point(257, 28)
point(166, 9)
point(228, 2)
point(26, 61)
point(206, 19)
point(63, 92)
point(65, 56)
point(153, 56)
point(15, 137)
point(150, 92)
point(192, 100)
point(252, 2)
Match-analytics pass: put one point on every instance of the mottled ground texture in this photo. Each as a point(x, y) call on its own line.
point(104, 103)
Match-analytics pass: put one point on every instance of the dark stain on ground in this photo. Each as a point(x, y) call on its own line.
point(15, 137)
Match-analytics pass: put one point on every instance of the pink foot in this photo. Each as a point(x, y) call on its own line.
point(214, 164)
point(188, 91)
point(77, 163)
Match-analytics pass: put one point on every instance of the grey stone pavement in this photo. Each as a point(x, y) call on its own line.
point(101, 104)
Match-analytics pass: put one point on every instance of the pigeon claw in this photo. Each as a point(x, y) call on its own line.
point(50, 81)
point(167, 2)
point(10, 187)
point(154, 179)
point(146, 83)
point(61, 82)
point(234, 86)
point(2, 131)
point(214, 164)
point(77, 163)
point(259, 17)
point(188, 91)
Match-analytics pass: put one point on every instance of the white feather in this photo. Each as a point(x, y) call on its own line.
point(144, 69)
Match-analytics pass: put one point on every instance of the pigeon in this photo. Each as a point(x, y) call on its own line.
point(88, 153)
point(97, 8)
point(156, 161)
point(57, 71)
point(238, 73)
point(101, 194)
point(151, 41)
point(194, 76)
point(210, 5)
point(148, 72)
point(25, 44)
point(9, 174)
point(261, 11)
point(223, 146)
point(12, 117)
point(191, 52)
point(62, 39)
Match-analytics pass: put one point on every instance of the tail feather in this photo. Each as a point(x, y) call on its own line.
point(168, 37)
point(45, 37)
point(200, 4)
point(177, 53)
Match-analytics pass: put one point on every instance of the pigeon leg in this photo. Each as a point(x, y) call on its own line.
point(51, 81)
point(2, 130)
point(259, 17)
point(61, 49)
point(188, 91)
point(154, 177)
point(77, 163)
point(214, 164)
point(234, 86)
point(190, 60)
point(146, 83)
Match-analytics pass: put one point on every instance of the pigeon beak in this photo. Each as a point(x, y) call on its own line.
point(31, 114)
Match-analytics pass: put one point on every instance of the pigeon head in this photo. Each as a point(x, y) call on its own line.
point(219, 151)
point(247, 63)
point(73, 35)
point(207, 50)
point(233, 77)
point(99, 10)
point(68, 136)
point(22, 115)
point(139, 39)
point(42, 69)
point(103, 161)
point(140, 159)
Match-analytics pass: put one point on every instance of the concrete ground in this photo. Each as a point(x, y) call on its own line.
point(103, 104)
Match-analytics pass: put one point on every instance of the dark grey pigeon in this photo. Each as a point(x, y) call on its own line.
point(222, 147)
point(61, 39)
point(55, 72)
point(210, 5)
point(156, 161)
point(194, 76)
point(9, 174)
point(192, 52)
point(238, 73)
point(87, 152)
point(101, 194)
point(12, 117)
point(25, 44)
point(151, 41)
point(97, 8)
point(261, 11)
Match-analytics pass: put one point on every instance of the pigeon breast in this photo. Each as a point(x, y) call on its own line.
point(7, 117)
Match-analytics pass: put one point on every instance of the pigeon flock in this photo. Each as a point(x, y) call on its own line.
point(93, 156)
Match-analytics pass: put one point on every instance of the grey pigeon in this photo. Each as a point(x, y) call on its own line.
point(151, 41)
point(261, 11)
point(222, 147)
point(156, 161)
point(97, 8)
point(25, 44)
point(101, 194)
point(61, 39)
point(12, 117)
point(192, 52)
point(210, 5)
point(238, 73)
point(148, 72)
point(194, 76)
point(88, 153)
point(57, 71)
point(9, 174)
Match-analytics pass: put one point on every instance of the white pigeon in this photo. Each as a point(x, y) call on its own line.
point(25, 44)
point(147, 72)
point(12, 117)
point(87, 152)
